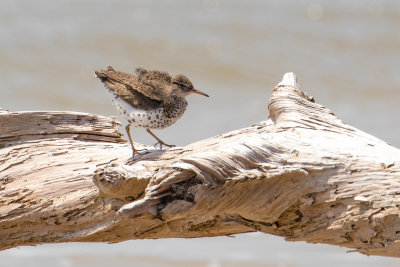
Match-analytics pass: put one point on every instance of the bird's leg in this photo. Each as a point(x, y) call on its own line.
point(160, 142)
point(127, 128)
point(134, 150)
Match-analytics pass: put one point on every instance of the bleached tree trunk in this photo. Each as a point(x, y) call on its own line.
point(302, 174)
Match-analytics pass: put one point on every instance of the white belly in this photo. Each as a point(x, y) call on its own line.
point(151, 119)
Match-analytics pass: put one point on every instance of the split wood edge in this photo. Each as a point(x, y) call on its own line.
point(302, 174)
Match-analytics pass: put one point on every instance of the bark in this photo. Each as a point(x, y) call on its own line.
point(302, 174)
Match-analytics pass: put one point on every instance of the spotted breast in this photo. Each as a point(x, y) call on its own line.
point(158, 117)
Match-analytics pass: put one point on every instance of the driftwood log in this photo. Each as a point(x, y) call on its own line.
point(302, 174)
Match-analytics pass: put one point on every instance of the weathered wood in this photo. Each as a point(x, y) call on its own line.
point(302, 174)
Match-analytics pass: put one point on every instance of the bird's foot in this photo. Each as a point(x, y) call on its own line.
point(136, 152)
point(161, 144)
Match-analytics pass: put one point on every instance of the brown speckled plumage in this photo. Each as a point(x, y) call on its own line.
point(150, 99)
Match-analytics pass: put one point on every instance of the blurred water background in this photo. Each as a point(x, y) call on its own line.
point(345, 53)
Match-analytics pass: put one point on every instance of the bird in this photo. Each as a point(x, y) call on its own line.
point(149, 99)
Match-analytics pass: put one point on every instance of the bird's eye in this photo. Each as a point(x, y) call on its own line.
point(183, 86)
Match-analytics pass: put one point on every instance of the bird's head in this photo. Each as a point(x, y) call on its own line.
point(184, 86)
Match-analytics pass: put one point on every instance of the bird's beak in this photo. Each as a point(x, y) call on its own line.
point(199, 92)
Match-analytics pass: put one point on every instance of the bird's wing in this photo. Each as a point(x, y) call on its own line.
point(147, 83)
point(128, 87)
point(153, 81)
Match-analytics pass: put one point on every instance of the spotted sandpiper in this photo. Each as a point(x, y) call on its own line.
point(150, 99)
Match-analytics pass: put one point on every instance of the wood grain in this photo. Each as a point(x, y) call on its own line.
point(302, 174)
